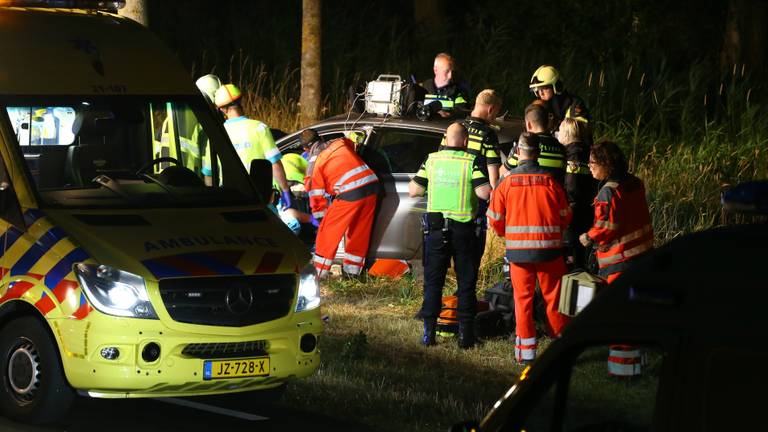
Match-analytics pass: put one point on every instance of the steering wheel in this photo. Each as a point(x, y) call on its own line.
point(142, 172)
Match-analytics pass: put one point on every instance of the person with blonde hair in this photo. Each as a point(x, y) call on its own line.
point(483, 144)
point(580, 187)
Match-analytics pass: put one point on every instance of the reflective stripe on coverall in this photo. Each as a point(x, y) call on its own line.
point(530, 210)
point(622, 229)
point(341, 174)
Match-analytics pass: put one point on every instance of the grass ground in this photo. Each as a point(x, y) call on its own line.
point(375, 372)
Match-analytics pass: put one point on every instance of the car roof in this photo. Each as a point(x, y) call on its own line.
point(510, 128)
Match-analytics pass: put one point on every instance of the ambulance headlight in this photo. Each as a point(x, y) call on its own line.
point(309, 289)
point(115, 292)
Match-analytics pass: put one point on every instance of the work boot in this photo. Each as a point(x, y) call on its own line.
point(428, 335)
point(466, 335)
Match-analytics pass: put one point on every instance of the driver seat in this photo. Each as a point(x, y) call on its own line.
point(175, 175)
point(90, 154)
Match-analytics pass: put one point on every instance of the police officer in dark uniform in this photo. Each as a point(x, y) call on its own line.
point(444, 96)
point(453, 183)
point(552, 153)
point(484, 145)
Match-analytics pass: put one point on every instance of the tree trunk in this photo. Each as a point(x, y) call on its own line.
point(745, 36)
point(310, 61)
point(137, 11)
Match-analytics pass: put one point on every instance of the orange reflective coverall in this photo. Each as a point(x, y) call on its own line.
point(622, 229)
point(340, 175)
point(530, 210)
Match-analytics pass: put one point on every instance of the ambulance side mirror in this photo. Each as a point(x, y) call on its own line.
point(10, 210)
point(261, 175)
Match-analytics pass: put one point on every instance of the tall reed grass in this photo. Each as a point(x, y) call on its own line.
point(686, 135)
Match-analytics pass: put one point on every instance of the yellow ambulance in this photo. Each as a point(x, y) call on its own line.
point(124, 272)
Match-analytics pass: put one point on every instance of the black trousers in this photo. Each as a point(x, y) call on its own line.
point(459, 243)
point(481, 229)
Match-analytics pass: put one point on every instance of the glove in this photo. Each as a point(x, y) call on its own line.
point(315, 223)
point(585, 240)
point(285, 197)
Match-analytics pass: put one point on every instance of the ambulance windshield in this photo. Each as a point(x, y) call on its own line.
point(127, 151)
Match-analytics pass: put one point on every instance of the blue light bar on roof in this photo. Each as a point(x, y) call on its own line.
point(112, 5)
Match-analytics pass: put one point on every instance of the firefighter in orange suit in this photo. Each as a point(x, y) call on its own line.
point(336, 173)
point(530, 210)
point(622, 228)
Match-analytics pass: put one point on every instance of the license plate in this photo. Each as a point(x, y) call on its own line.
point(238, 368)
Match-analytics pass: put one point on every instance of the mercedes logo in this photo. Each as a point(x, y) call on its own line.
point(239, 299)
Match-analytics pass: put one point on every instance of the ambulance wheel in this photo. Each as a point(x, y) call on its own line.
point(34, 388)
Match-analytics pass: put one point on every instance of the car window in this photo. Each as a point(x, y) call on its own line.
point(599, 400)
point(405, 150)
point(293, 146)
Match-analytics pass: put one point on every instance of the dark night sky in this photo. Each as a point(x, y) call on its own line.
point(497, 43)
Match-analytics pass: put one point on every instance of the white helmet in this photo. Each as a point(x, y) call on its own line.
point(208, 84)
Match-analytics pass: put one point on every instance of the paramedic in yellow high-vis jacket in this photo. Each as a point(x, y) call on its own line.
point(251, 138)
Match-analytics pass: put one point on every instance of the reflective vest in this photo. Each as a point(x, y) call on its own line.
point(449, 96)
point(181, 137)
point(551, 157)
point(252, 139)
point(530, 210)
point(622, 229)
point(445, 101)
point(483, 143)
point(451, 177)
point(339, 173)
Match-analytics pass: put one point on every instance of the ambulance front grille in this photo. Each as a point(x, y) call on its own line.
point(226, 350)
point(230, 301)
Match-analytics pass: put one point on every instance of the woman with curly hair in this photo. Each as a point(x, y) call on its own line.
point(622, 228)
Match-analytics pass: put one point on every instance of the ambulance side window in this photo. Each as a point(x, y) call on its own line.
point(615, 392)
point(44, 135)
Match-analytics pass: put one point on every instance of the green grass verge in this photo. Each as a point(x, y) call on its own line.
point(375, 372)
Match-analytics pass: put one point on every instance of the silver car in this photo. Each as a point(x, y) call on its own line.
point(395, 148)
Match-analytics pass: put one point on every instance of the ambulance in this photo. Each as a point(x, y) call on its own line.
point(124, 271)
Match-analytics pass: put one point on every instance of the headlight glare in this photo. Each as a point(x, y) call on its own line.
point(309, 289)
point(115, 292)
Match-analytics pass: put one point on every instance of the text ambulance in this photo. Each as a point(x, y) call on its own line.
point(124, 271)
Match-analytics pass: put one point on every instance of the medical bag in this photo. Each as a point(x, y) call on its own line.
point(577, 289)
point(447, 321)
